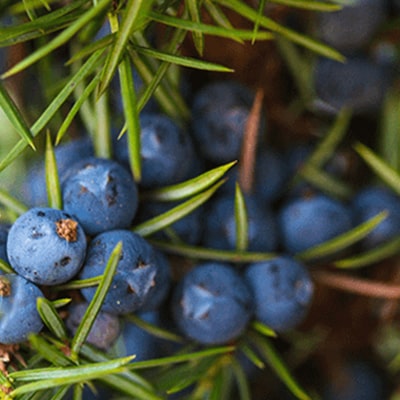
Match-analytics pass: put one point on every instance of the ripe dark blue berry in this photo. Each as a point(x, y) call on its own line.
point(212, 304)
point(141, 279)
point(308, 221)
point(101, 194)
point(67, 154)
point(369, 202)
point(18, 313)
point(357, 380)
point(220, 111)
point(46, 246)
point(104, 331)
point(167, 151)
point(341, 85)
point(282, 291)
point(353, 27)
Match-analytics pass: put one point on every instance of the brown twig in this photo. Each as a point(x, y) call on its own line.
point(390, 306)
point(249, 146)
point(358, 286)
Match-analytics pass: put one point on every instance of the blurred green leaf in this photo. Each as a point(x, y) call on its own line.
point(169, 100)
point(58, 303)
point(327, 146)
point(344, 240)
point(296, 37)
point(134, 12)
point(17, 120)
point(389, 138)
point(101, 135)
point(80, 283)
point(384, 171)
point(261, 7)
point(48, 351)
point(52, 180)
point(5, 267)
point(183, 61)
point(42, 25)
point(12, 203)
point(50, 317)
point(54, 377)
point(61, 393)
point(252, 356)
point(153, 329)
point(242, 381)
point(309, 5)
point(130, 383)
point(59, 40)
point(326, 182)
point(175, 379)
point(94, 306)
point(275, 361)
point(263, 329)
point(370, 257)
point(131, 117)
point(299, 67)
point(53, 107)
point(241, 220)
point(221, 386)
point(72, 374)
point(191, 356)
point(194, 14)
point(89, 89)
point(218, 15)
point(190, 187)
point(230, 33)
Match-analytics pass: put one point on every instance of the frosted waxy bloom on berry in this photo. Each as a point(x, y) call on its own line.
point(142, 278)
point(101, 194)
point(282, 291)
point(212, 304)
point(46, 246)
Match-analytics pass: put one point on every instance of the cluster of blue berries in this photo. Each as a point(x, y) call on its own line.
point(214, 302)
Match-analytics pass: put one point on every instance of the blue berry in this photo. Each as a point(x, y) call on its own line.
point(282, 291)
point(140, 275)
point(212, 304)
point(104, 331)
point(270, 176)
point(220, 111)
point(353, 27)
point(18, 313)
point(220, 225)
point(67, 154)
point(340, 85)
point(167, 151)
point(134, 340)
point(308, 221)
point(46, 246)
point(357, 380)
point(101, 194)
point(370, 201)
